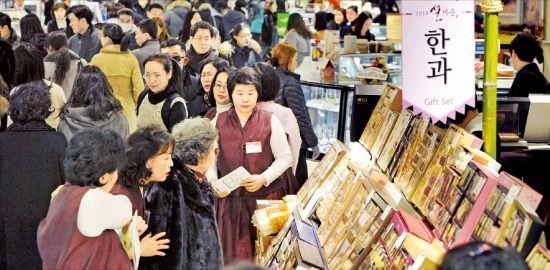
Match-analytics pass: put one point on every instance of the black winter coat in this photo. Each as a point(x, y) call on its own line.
point(180, 208)
point(31, 167)
point(52, 26)
point(268, 28)
point(346, 31)
point(230, 20)
point(141, 11)
point(190, 85)
point(291, 96)
point(198, 105)
point(529, 80)
point(242, 57)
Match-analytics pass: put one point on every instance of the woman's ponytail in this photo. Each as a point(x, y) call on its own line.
point(124, 42)
point(62, 65)
point(176, 81)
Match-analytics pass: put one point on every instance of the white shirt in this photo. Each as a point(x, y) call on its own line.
point(101, 211)
point(279, 147)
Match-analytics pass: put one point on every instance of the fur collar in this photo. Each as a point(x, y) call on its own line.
point(179, 3)
point(190, 184)
point(34, 125)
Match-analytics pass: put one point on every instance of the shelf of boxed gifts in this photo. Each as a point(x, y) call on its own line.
point(491, 215)
point(445, 207)
point(448, 216)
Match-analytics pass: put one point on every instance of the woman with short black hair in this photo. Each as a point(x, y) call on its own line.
point(83, 215)
point(272, 86)
point(265, 154)
point(145, 147)
point(149, 159)
point(59, 20)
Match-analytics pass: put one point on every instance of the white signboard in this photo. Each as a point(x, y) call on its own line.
point(438, 57)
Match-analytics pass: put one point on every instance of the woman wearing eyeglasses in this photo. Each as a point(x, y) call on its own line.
point(160, 103)
point(199, 104)
point(241, 50)
point(218, 94)
point(121, 68)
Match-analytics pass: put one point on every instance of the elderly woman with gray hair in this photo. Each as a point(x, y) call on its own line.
point(182, 206)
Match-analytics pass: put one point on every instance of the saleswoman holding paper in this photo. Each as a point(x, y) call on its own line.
point(255, 140)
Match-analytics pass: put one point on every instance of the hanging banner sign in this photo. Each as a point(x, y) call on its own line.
point(438, 57)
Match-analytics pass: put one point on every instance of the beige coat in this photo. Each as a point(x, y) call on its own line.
point(123, 73)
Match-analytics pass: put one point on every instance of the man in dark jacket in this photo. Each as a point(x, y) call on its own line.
point(200, 51)
point(130, 5)
point(146, 38)
point(7, 33)
point(176, 50)
point(85, 42)
point(217, 19)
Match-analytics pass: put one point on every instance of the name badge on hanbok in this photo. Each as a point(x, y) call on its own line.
point(253, 147)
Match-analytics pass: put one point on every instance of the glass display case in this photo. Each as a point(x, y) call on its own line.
point(329, 108)
point(349, 64)
point(331, 103)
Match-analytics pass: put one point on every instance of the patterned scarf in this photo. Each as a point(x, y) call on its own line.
point(202, 183)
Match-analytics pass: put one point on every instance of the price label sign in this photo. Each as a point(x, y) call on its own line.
point(438, 57)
